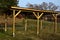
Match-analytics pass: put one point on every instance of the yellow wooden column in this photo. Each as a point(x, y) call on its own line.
point(41, 22)
point(55, 23)
point(38, 28)
point(14, 15)
point(38, 17)
point(5, 22)
point(13, 23)
point(25, 25)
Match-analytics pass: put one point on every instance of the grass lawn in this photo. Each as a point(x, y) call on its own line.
point(47, 33)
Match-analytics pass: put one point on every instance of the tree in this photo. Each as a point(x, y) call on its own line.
point(44, 6)
point(36, 6)
point(6, 4)
point(52, 6)
point(29, 5)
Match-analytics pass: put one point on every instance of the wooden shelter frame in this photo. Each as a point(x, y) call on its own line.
point(38, 16)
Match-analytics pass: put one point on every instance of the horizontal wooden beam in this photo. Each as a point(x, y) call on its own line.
point(34, 10)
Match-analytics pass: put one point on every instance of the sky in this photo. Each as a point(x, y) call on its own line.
point(23, 3)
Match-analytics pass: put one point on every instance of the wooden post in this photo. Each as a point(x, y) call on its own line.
point(38, 24)
point(13, 23)
point(41, 23)
point(14, 15)
point(25, 25)
point(5, 22)
point(38, 17)
point(55, 23)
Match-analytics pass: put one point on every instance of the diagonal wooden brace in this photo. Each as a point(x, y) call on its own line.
point(40, 15)
point(35, 14)
point(17, 13)
point(53, 15)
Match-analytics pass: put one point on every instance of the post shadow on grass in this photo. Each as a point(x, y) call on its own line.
point(3, 31)
point(49, 36)
point(1, 28)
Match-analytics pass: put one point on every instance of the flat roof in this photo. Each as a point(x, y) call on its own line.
point(34, 10)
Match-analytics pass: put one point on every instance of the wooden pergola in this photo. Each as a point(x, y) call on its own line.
point(38, 14)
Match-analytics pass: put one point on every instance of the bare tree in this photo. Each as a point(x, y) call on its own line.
point(29, 5)
point(36, 6)
point(43, 6)
point(40, 7)
point(52, 6)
